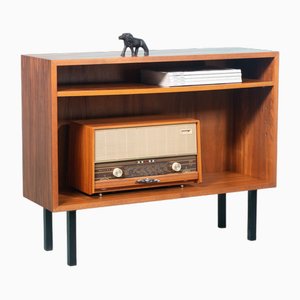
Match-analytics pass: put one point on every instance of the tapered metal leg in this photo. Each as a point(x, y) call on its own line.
point(222, 210)
point(71, 238)
point(252, 211)
point(48, 231)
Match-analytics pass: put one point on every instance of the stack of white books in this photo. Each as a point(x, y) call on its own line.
point(194, 77)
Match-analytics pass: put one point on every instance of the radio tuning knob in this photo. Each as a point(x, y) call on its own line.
point(176, 166)
point(117, 172)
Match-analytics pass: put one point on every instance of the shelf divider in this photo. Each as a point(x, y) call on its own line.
point(110, 89)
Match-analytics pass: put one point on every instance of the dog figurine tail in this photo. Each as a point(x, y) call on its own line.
point(146, 50)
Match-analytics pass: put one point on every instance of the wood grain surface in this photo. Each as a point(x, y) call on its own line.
point(130, 183)
point(180, 55)
point(214, 183)
point(39, 132)
point(238, 121)
point(139, 88)
point(82, 152)
point(81, 162)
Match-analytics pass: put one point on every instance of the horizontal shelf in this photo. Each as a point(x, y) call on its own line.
point(109, 89)
point(213, 183)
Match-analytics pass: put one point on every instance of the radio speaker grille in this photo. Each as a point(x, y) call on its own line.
point(119, 144)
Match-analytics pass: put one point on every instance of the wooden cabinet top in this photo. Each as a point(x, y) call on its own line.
point(113, 57)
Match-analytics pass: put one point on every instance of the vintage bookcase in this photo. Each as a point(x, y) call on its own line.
point(238, 124)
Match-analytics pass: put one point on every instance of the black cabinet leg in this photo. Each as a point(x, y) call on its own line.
point(222, 210)
point(71, 238)
point(252, 211)
point(48, 230)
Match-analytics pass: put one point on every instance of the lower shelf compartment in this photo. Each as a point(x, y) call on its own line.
point(213, 183)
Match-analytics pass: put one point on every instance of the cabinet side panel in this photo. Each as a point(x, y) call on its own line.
point(274, 111)
point(38, 155)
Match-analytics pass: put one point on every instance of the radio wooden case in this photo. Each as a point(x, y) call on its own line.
point(133, 153)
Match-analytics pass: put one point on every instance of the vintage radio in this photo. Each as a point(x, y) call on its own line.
point(131, 153)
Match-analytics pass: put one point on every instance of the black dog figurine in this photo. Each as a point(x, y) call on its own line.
point(134, 44)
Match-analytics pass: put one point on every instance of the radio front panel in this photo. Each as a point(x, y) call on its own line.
point(130, 155)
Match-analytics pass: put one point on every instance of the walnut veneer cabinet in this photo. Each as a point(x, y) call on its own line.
point(238, 124)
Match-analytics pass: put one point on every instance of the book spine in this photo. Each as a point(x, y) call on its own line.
point(204, 72)
point(237, 80)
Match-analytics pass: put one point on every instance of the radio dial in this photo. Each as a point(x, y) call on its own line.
point(117, 172)
point(176, 166)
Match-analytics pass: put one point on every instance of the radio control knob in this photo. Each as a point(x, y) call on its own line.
point(117, 172)
point(176, 166)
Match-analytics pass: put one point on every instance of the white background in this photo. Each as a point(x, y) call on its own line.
point(159, 250)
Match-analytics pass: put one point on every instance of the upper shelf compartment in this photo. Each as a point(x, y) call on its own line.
point(124, 79)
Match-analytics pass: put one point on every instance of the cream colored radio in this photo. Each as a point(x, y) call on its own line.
point(133, 153)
